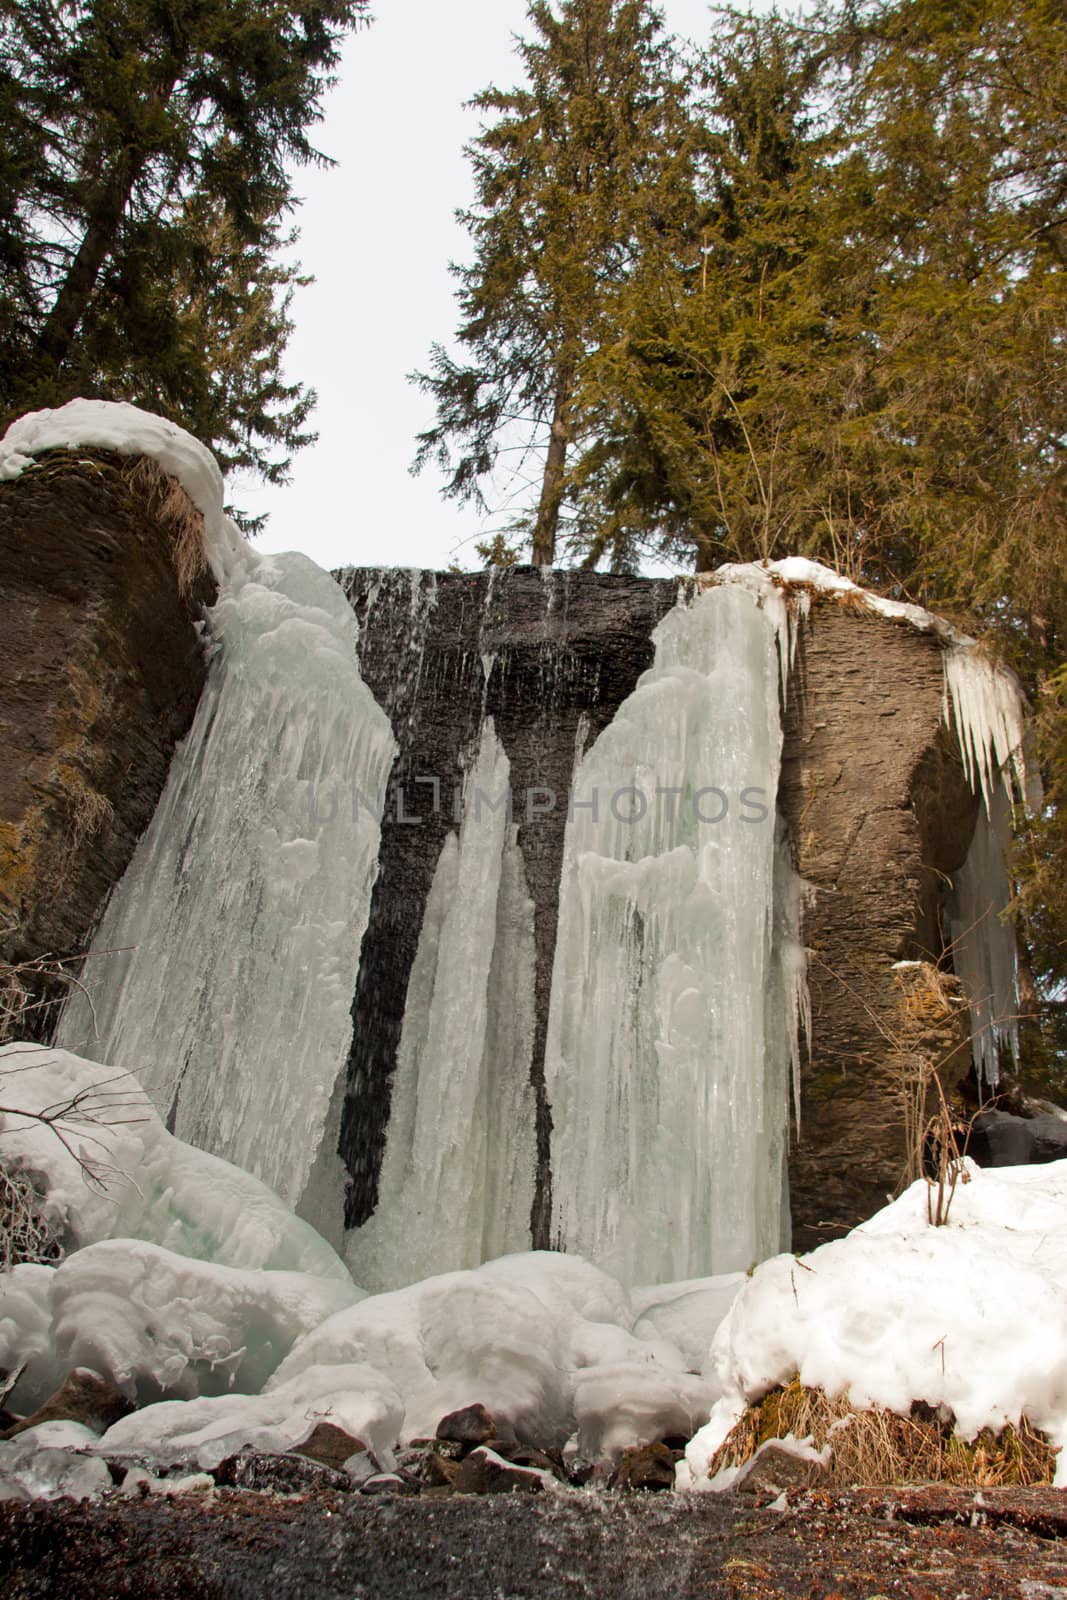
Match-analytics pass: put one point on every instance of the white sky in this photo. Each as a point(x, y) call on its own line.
point(377, 233)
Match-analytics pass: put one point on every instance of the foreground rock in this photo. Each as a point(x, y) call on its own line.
point(926, 1544)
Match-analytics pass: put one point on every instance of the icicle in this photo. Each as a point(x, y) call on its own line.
point(669, 1120)
point(247, 898)
point(990, 716)
point(457, 1179)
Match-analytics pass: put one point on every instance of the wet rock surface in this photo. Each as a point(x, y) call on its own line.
point(921, 1544)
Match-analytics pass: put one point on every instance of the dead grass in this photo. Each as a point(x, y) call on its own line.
point(877, 1447)
point(171, 505)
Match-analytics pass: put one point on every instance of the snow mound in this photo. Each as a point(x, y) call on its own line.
point(113, 1171)
point(107, 425)
point(156, 1323)
point(971, 1316)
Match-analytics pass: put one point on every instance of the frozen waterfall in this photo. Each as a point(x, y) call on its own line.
point(668, 1086)
point(239, 920)
point(457, 1180)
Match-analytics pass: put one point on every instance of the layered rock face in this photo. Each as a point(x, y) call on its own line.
point(872, 790)
point(880, 815)
point(103, 670)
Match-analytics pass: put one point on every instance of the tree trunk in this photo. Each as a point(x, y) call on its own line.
point(544, 534)
point(76, 291)
point(105, 213)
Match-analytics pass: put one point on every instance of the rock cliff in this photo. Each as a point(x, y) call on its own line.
point(103, 670)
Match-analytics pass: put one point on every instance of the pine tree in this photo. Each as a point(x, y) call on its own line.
point(578, 175)
point(152, 143)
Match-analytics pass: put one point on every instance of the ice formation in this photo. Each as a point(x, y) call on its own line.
point(457, 1179)
point(236, 930)
point(668, 1088)
point(900, 1311)
point(113, 1171)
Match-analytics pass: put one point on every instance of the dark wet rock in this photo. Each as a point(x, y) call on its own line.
point(83, 1397)
point(645, 1466)
point(774, 1469)
point(330, 1445)
point(441, 1473)
point(485, 1472)
point(473, 1425)
point(288, 1474)
point(921, 1544)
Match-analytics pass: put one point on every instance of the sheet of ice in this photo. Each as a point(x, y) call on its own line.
point(355, 1398)
point(900, 1311)
point(159, 1324)
point(105, 425)
point(242, 912)
point(982, 937)
point(668, 1091)
point(457, 1178)
point(117, 1173)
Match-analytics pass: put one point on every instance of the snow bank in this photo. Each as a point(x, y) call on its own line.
point(105, 425)
point(971, 1316)
point(143, 1183)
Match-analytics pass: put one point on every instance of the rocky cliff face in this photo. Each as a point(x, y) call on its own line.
point(872, 789)
point(103, 670)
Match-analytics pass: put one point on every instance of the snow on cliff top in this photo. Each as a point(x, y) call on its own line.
point(107, 425)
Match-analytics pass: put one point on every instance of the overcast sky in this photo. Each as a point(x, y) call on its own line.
point(377, 233)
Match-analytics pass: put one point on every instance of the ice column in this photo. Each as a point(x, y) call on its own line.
point(667, 1086)
point(242, 912)
point(982, 937)
point(457, 1179)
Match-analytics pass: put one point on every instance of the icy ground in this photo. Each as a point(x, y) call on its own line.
point(214, 1308)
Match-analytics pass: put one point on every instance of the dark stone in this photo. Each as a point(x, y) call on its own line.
point(84, 1397)
point(998, 1139)
point(288, 1474)
point(470, 1426)
point(484, 1472)
point(645, 1466)
point(387, 1483)
point(110, 670)
point(773, 1469)
point(330, 1445)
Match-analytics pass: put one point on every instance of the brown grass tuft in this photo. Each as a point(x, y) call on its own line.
point(171, 504)
point(876, 1447)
